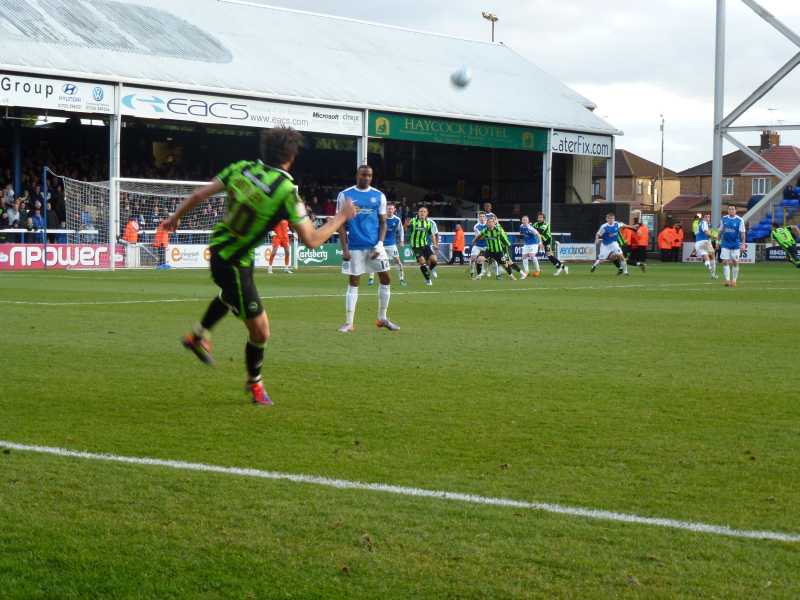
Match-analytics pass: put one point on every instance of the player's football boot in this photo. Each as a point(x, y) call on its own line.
point(593, 269)
point(199, 346)
point(403, 282)
point(258, 395)
point(523, 275)
point(643, 267)
point(565, 268)
point(620, 271)
point(269, 269)
point(371, 281)
point(512, 277)
point(434, 274)
point(387, 324)
point(288, 271)
point(346, 328)
point(428, 282)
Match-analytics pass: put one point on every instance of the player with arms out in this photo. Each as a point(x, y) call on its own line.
point(423, 234)
point(532, 242)
point(260, 194)
point(549, 247)
point(732, 242)
point(785, 238)
point(393, 242)
point(703, 247)
point(497, 247)
point(280, 240)
point(607, 239)
point(362, 239)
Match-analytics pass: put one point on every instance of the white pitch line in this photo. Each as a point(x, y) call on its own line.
point(343, 484)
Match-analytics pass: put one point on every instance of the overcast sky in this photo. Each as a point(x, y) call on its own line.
point(636, 59)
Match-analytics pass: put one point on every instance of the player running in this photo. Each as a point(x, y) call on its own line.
point(393, 242)
point(609, 248)
point(703, 247)
point(549, 247)
point(497, 247)
point(259, 195)
point(280, 240)
point(478, 248)
point(363, 251)
point(532, 242)
point(732, 240)
point(784, 237)
point(422, 234)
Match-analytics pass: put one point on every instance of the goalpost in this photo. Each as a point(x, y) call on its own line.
point(123, 215)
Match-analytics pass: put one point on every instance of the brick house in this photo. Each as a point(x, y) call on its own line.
point(636, 181)
point(743, 178)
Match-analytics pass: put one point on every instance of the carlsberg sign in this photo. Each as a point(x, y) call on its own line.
point(325, 255)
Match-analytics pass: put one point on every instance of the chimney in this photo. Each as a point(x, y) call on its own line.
point(770, 139)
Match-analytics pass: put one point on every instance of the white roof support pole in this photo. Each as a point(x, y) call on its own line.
point(547, 178)
point(114, 138)
point(756, 157)
point(611, 170)
point(719, 114)
point(362, 144)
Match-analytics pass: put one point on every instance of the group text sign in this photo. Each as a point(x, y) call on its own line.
point(17, 257)
point(192, 256)
point(56, 94)
point(581, 144)
point(218, 110)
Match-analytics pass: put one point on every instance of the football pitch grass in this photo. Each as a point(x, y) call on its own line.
point(659, 395)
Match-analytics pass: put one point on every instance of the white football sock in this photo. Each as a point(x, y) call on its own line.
point(384, 293)
point(536, 267)
point(726, 271)
point(525, 264)
point(735, 272)
point(350, 301)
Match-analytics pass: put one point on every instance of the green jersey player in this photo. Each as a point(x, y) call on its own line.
point(260, 194)
point(549, 247)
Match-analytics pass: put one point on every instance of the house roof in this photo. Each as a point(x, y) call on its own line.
point(242, 48)
point(686, 202)
point(628, 164)
point(783, 158)
point(732, 164)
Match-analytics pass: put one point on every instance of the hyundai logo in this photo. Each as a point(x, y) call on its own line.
point(70, 89)
point(97, 94)
point(156, 103)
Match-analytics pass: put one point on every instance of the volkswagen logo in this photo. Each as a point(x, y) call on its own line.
point(97, 94)
point(70, 89)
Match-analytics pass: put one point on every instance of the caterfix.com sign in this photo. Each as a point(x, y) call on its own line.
point(14, 257)
point(56, 94)
point(194, 256)
point(220, 110)
point(581, 144)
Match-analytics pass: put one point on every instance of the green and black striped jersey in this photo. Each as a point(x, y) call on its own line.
point(259, 197)
point(496, 239)
point(420, 233)
point(544, 231)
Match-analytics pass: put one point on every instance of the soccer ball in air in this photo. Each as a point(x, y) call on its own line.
point(462, 77)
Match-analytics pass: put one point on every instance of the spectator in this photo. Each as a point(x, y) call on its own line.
point(12, 214)
point(52, 222)
point(639, 243)
point(458, 246)
point(677, 243)
point(8, 196)
point(665, 239)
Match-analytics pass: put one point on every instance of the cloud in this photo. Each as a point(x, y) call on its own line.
point(635, 59)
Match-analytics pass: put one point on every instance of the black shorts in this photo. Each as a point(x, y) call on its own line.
point(239, 291)
point(548, 246)
point(499, 257)
point(639, 254)
point(424, 252)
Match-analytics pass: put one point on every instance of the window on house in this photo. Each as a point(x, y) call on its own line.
point(639, 187)
point(596, 188)
point(727, 186)
point(761, 185)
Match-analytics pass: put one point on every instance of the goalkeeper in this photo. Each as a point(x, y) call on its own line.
point(785, 238)
point(259, 195)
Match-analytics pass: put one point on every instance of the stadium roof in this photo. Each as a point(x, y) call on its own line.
point(235, 48)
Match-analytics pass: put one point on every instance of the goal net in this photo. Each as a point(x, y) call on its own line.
point(132, 210)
